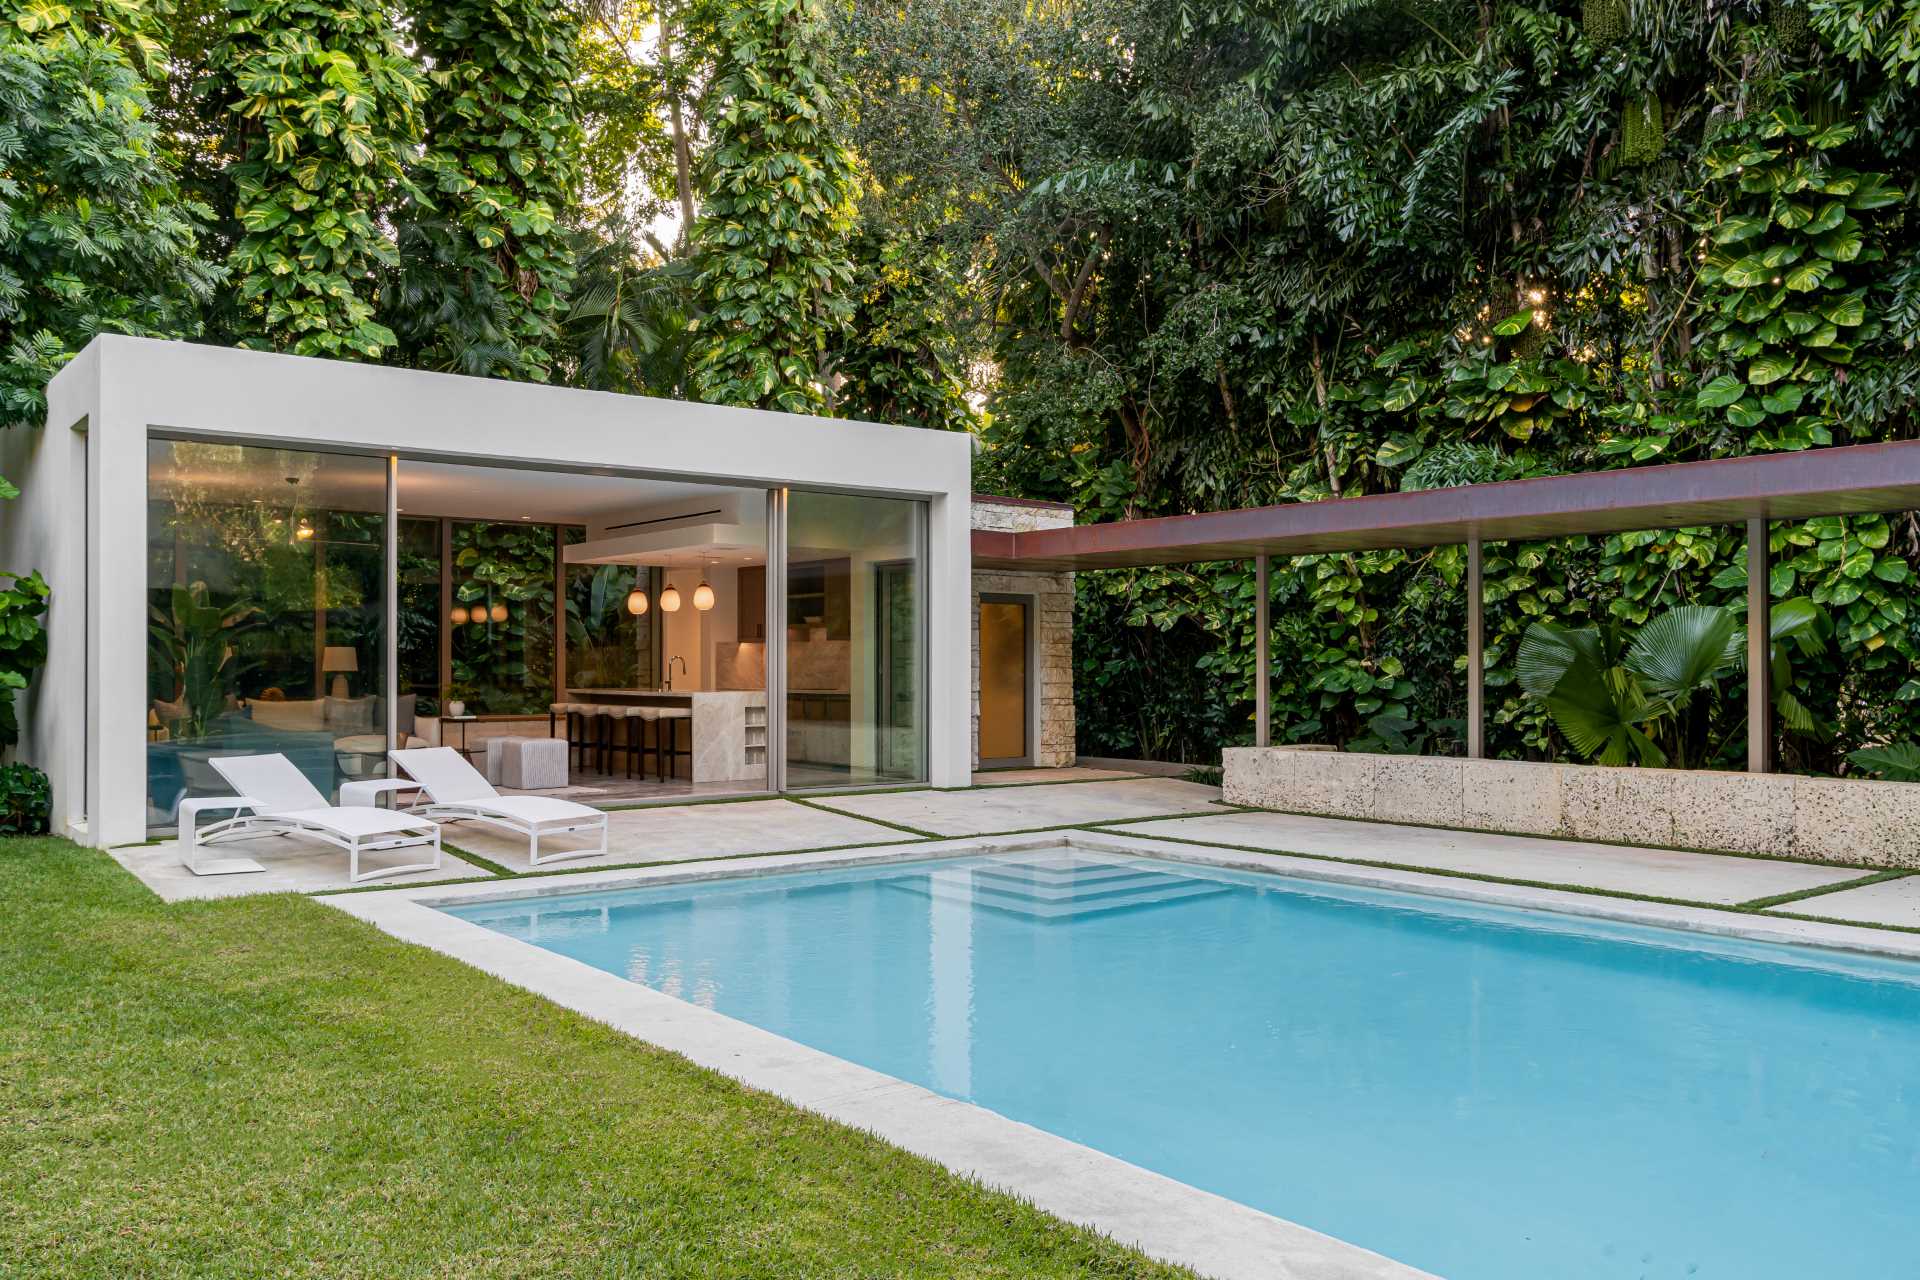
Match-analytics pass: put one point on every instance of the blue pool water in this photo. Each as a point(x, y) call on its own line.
point(1482, 1093)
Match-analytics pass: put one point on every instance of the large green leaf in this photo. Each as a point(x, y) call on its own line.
point(1769, 368)
point(1899, 762)
point(1720, 392)
point(1683, 649)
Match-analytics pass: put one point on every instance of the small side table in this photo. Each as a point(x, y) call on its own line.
point(366, 793)
point(463, 722)
point(189, 838)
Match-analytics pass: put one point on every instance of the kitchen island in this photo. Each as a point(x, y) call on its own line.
point(728, 735)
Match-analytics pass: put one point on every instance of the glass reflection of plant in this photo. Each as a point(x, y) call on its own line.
point(606, 645)
point(503, 653)
point(195, 639)
point(417, 621)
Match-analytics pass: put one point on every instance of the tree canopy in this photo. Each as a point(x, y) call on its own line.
point(1158, 256)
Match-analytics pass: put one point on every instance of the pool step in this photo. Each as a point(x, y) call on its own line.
point(1052, 893)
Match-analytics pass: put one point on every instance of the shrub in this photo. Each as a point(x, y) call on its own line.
point(26, 800)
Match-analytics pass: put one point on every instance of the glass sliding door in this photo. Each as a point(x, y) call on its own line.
point(855, 640)
point(267, 604)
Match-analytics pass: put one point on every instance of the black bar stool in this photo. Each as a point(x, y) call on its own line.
point(667, 740)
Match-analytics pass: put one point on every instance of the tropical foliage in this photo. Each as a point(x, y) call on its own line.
point(486, 266)
point(1159, 256)
point(1235, 253)
point(325, 114)
point(775, 281)
point(94, 234)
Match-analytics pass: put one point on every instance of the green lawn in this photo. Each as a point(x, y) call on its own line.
point(267, 1087)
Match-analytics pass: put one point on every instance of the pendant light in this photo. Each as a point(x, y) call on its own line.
point(703, 594)
point(458, 615)
point(670, 599)
point(636, 602)
point(499, 613)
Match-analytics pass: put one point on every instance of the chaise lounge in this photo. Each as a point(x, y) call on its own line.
point(457, 791)
point(272, 797)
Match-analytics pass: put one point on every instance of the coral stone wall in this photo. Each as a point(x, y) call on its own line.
point(1051, 617)
point(1824, 819)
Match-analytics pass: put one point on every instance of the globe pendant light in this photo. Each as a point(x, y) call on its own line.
point(636, 602)
point(458, 615)
point(670, 600)
point(499, 613)
point(703, 594)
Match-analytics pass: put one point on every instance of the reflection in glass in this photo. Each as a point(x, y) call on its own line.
point(503, 575)
point(266, 612)
point(854, 623)
point(609, 646)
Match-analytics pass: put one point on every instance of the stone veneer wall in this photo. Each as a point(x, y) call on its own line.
point(1052, 617)
point(1823, 819)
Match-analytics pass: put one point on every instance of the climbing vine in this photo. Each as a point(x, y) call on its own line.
point(488, 269)
point(325, 113)
point(775, 280)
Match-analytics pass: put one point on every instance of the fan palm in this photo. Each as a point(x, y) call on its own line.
point(1619, 702)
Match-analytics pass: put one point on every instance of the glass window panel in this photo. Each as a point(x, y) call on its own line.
point(609, 646)
point(855, 697)
point(420, 620)
point(502, 617)
point(267, 614)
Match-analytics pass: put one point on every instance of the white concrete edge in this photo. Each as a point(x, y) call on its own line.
point(1156, 1214)
point(1714, 921)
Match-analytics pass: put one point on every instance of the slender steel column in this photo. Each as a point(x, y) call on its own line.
point(391, 656)
point(776, 646)
point(1759, 651)
point(1262, 676)
point(1476, 664)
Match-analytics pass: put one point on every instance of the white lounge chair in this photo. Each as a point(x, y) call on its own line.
point(272, 797)
point(456, 790)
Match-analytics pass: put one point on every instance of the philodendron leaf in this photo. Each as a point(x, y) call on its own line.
point(1720, 392)
point(1843, 244)
point(1848, 311)
point(1831, 215)
point(1808, 276)
point(1745, 414)
point(1784, 399)
point(1739, 228)
point(1769, 368)
point(1513, 324)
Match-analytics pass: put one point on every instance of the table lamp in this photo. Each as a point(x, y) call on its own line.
point(337, 661)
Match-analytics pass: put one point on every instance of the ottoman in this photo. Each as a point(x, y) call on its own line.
point(534, 764)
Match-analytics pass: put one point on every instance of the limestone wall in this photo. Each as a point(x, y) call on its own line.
point(1052, 617)
point(1824, 819)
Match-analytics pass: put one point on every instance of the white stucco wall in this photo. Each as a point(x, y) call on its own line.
point(126, 387)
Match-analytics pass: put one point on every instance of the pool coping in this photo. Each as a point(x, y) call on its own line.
point(1157, 1214)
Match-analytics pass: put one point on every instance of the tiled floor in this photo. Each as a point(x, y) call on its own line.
point(1894, 902)
point(291, 866)
point(1659, 873)
point(679, 833)
point(979, 812)
point(1028, 800)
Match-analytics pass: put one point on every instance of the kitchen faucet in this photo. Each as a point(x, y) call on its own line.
point(683, 669)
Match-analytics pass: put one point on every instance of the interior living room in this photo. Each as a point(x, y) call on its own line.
point(596, 637)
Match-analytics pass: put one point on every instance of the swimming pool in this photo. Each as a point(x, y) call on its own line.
point(1484, 1093)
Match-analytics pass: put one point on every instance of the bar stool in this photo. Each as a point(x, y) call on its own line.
point(637, 748)
point(667, 738)
point(577, 740)
point(604, 716)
